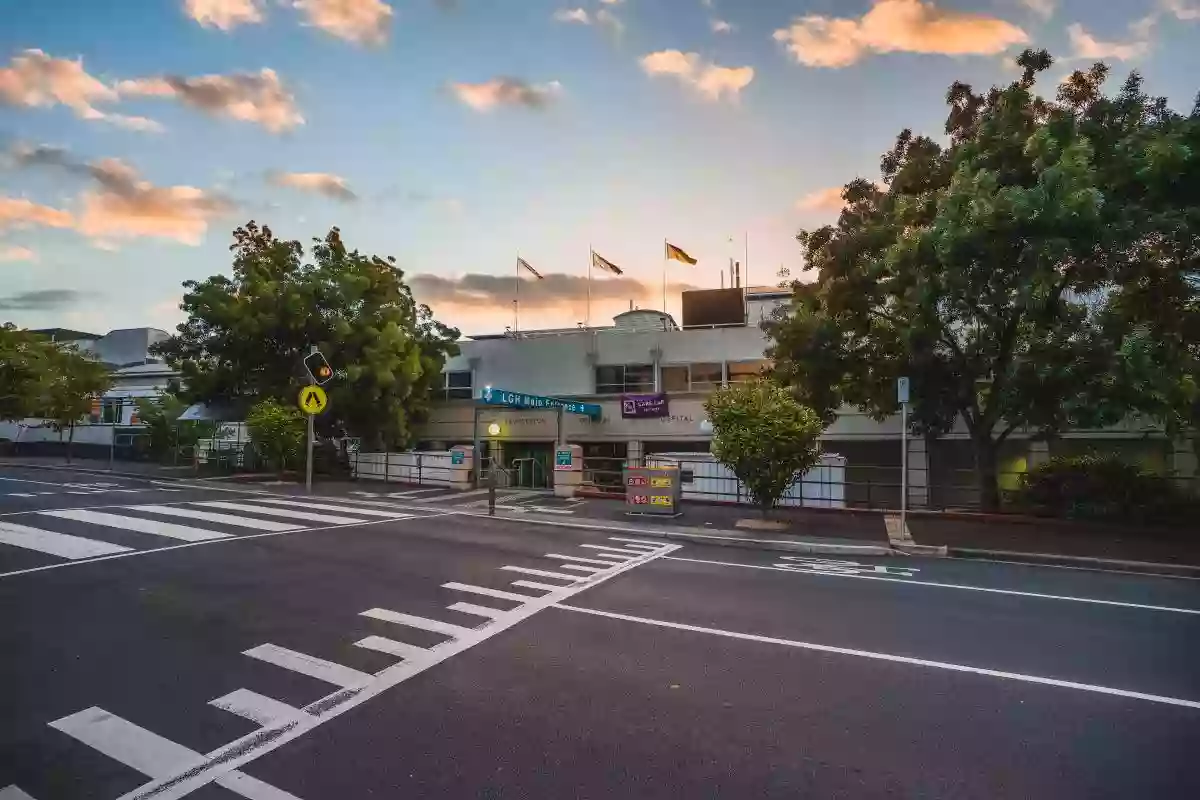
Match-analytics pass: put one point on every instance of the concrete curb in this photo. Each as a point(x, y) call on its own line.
point(96, 471)
point(1080, 562)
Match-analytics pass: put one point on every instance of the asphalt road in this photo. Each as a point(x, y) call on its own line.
point(215, 642)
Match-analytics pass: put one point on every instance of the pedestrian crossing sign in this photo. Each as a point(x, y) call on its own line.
point(313, 400)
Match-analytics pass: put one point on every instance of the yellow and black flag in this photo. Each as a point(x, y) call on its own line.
point(677, 254)
point(523, 263)
point(600, 262)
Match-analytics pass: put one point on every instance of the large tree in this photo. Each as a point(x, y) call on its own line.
point(23, 362)
point(70, 382)
point(997, 269)
point(246, 335)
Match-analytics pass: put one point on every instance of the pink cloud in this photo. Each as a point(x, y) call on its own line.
point(223, 14)
point(708, 79)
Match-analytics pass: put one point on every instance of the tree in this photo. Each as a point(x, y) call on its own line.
point(167, 432)
point(70, 383)
point(23, 358)
point(989, 271)
point(245, 336)
point(278, 433)
point(764, 436)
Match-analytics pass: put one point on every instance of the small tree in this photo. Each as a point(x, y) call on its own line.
point(277, 432)
point(765, 436)
point(71, 381)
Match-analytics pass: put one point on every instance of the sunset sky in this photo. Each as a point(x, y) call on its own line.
point(453, 134)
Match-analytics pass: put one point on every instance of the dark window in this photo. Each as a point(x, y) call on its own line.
point(675, 379)
point(705, 377)
point(458, 385)
point(639, 378)
point(610, 379)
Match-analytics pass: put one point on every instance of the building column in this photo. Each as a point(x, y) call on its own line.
point(1184, 464)
point(918, 472)
point(1039, 453)
point(633, 454)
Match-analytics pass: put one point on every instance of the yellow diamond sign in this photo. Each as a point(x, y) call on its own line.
point(313, 400)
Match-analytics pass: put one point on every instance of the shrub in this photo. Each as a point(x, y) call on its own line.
point(278, 434)
point(1102, 487)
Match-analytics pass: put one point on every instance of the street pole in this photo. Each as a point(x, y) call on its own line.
point(904, 470)
point(112, 439)
point(308, 461)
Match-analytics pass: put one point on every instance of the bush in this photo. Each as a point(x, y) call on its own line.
point(278, 433)
point(1102, 487)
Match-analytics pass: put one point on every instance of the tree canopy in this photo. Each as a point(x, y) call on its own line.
point(246, 335)
point(1037, 269)
point(39, 378)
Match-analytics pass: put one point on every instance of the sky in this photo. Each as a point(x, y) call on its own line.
point(457, 135)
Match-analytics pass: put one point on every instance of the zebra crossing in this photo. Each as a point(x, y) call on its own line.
point(176, 770)
point(83, 489)
point(72, 534)
point(521, 501)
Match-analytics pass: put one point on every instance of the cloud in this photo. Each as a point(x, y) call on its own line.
point(1084, 45)
point(40, 300)
point(324, 183)
point(16, 253)
point(829, 199)
point(119, 204)
point(506, 92)
point(578, 15)
point(911, 26)
point(1043, 8)
point(708, 79)
point(1182, 10)
point(720, 26)
point(250, 97)
point(479, 291)
point(358, 21)
point(36, 80)
point(612, 2)
point(223, 14)
point(17, 212)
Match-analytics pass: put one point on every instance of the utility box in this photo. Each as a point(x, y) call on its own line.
point(653, 491)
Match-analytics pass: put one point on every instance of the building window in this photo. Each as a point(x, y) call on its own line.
point(742, 371)
point(705, 377)
point(458, 385)
point(624, 379)
point(675, 378)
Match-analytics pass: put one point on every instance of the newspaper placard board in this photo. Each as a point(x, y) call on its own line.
point(653, 491)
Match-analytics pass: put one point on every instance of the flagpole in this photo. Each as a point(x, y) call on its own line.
point(517, 298)
point(664, 305)
point(591, 260)
point(746, 253)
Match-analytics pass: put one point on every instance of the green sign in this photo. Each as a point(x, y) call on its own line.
point(503, 397)
point(458, 457)
point(562, 458)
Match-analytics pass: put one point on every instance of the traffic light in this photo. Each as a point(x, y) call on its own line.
point(318, 368)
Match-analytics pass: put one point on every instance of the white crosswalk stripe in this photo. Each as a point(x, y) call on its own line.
point(224, 519)
point(256, 707)
point(267, 511)
point(13, 793)
point(56, 544)
point(183, 533)
point(311, 666)
point(306, 505)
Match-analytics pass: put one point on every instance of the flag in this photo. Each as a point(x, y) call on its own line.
point(600, 262)
point(677, 254)
point(523, 263)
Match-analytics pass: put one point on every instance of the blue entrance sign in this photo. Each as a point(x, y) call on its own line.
point(503, 397)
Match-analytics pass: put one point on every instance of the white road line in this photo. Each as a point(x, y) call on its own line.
point(311, 666)
point(132, 745)
point(224, 760)
point(546, 587)
point(278, 512)
point(615, 550)
point(479, 611)
point(581, 568)
point(638, 543)
point(92, 492)
point(582, 560)
point(151, 526)
point(224, 519)
point(307, 506)
point(21, 494)
point(541, 573)
point(937, 585)
point(917, 662)
point(151, 754)
point(423, 623)
point(40, 483)
point(56, 544)
point(256, 707)
point(393, 648)
point(13, 793)
point(487, 592)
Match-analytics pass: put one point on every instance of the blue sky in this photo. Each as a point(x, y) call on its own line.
point(454, 137)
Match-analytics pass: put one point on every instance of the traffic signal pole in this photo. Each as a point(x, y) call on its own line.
point(308, 461)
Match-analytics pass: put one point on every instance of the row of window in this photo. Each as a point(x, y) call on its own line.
point(638, 378)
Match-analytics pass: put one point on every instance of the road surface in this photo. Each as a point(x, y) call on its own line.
point(165, 640)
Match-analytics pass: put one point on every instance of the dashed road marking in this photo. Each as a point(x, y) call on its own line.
point(311, 666)
point(256, 707)
point(56, 544)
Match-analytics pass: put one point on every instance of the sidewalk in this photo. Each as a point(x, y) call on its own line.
point(137, 469)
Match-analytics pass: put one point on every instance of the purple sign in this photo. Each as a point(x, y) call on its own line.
point(644, 405)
